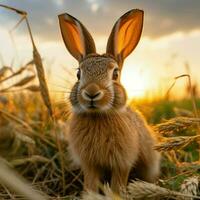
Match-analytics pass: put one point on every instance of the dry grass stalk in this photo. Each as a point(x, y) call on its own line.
point(176, 124)
point(14, 182)
point(28, 128)
point(95, 196)
point(16, 119)
point(109, 195)
point(190, 88)
point(43, 85)
point(32, 159)
point(18, 72)
point(174, 143)
point(192, 95)
point(37, 60)
point(40, 72)
point(144, 190)
point(24, 138)
point(12, 140)
point(190, 187)
point(24, 81)
point(4, 70)
point(33, 88)
point(21, 12)
point(20, 83)
point(183, 112)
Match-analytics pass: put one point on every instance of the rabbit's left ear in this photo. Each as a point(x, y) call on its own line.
point(125, 35)
point(76, 37)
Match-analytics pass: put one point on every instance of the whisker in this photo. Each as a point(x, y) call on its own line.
point(56, 91)
point(60, 86)
point(65, 81)
point(68, 71)
point(59, 103)
point(63, 92)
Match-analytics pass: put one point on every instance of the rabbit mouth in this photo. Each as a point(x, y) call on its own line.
point(92, 106)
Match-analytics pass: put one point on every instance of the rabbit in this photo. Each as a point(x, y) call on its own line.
point(105, 135)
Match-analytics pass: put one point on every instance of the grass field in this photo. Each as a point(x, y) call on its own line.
point(34, 159)
point(34, 145)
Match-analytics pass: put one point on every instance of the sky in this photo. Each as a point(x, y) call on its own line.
point(170, 39)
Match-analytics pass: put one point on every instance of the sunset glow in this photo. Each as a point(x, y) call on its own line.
point(154, 63)
point(134, 82)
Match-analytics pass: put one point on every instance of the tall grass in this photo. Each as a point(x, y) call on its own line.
point(36, 58)
point(35, 148)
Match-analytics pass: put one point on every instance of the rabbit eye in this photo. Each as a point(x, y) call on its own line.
point(115, 74)
point(78, 74)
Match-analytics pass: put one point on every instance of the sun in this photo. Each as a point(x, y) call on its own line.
point(134, 81)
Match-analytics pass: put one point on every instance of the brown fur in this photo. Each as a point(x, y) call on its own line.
point(116, 140)
point(104, 141)
point(105, 134)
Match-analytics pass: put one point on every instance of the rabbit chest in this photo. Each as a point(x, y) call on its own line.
point(103, 140)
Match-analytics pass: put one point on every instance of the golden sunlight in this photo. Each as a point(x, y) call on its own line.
point(134, 82)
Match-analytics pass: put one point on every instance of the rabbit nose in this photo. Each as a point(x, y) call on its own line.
point(92, 96)
point(92, 92)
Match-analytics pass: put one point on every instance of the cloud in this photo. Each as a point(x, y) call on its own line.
point(161, 17)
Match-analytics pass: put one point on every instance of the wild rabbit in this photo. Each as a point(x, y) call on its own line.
point(104, 133)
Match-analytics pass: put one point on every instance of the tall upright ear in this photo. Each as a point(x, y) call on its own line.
point(76, 37)
point(125, 35)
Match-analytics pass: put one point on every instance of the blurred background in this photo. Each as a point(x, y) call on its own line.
point(169, 46)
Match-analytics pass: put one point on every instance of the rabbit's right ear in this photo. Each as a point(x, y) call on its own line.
point(125, 35)
point(76, 37)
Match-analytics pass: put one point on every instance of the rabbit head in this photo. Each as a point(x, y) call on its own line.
point(98, 86)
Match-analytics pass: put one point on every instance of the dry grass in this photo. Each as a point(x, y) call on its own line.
point(175, 125)
point(36, 58)
point(175, 143)
point(12, 180)
point(34, 147)
point(41, 76)
point(190, 91)
point(144, 190)
point(190, 187)
point(38, 151)
point(34, 153)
